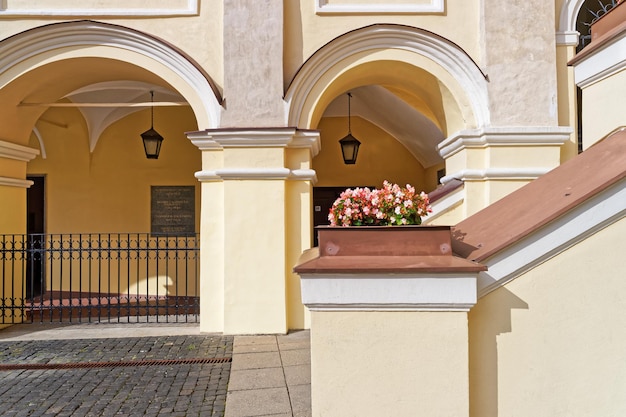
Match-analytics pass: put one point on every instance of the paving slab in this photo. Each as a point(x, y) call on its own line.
point(258, 402)
point(297, 375)
point(295, 357)
point(247, 379)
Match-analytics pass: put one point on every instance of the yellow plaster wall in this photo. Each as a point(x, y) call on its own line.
point(254, 272)
point(422, 356)
point(601, 112)
point(380, 157)
point(13, 214)
point(550, 342)
point(567, 99)
point(109, 190)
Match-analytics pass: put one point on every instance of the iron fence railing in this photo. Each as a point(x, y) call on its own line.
point(99, 277)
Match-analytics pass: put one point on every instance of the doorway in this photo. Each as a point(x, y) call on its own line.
point(35, 227)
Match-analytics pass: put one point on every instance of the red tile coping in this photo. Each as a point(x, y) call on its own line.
point(540, 202)
point(359, 264)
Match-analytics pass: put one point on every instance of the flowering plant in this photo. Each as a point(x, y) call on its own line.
point(388, 206)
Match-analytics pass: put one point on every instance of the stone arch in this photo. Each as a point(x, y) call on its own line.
point(446, 61)
point(56, 42)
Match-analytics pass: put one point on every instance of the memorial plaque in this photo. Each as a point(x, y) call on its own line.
point(173, 210)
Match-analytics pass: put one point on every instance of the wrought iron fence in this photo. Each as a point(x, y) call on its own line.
point(99, 277)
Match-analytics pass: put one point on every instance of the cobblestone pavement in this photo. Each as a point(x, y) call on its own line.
point(115, 377)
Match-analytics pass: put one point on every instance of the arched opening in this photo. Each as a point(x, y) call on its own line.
point(119, 232)
point(410, 90)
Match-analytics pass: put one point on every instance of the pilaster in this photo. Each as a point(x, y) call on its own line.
point(495, 161)
point(256, 191)
point(389, 330)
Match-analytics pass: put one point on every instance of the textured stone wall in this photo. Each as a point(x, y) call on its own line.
point(253, 72)
point(519, 57)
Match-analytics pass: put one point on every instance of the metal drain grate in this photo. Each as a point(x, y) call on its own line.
point(154, 362)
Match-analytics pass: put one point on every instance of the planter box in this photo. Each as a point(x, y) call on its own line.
point(384, 240)
point(615, 18)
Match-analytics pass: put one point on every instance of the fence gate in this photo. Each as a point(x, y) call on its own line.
point(112, 277)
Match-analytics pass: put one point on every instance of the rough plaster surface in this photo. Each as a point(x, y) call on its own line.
point(253, 52)
point(519, 53)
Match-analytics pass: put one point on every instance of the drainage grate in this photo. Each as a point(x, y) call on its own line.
point(155, 362)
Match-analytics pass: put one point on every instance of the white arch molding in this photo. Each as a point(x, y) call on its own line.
point(198, 89)
point(444, 53)
point(566, 33)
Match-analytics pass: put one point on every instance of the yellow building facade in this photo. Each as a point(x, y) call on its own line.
point(251, 98)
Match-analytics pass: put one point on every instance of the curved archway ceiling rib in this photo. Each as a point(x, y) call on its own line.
point(384, 109)
point(102, 104)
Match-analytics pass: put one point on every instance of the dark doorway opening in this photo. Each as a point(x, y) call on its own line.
point(35, 211)
point(323, 199)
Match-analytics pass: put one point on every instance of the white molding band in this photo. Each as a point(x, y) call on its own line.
point(256, 174)
point(15, 182)
point(601, 63)
point(504, 136)
point(567, 38)
point(388, 292)
point(61, 8)
point(501, 174)
point(432, 6)
point(18, 152)
point(576, 225)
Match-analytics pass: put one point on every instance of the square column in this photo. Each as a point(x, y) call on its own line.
point(250, 222)
point(389, 330)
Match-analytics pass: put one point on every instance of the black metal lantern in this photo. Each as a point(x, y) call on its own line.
point(349, 144)
point(151, 138)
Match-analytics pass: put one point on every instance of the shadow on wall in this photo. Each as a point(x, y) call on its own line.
point(490, 318)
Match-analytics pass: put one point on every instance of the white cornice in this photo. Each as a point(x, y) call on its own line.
point(504, 136)
point(433, 6)
point(388, 292)
point(576, 225)
point(15, 182)
point(213, 139)
point(18, 152)
point(65, 8)
point(601, 63)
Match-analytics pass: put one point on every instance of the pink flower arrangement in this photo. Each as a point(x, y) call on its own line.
point(388, 206)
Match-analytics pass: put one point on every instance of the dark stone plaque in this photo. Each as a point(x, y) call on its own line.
point(172, 210)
